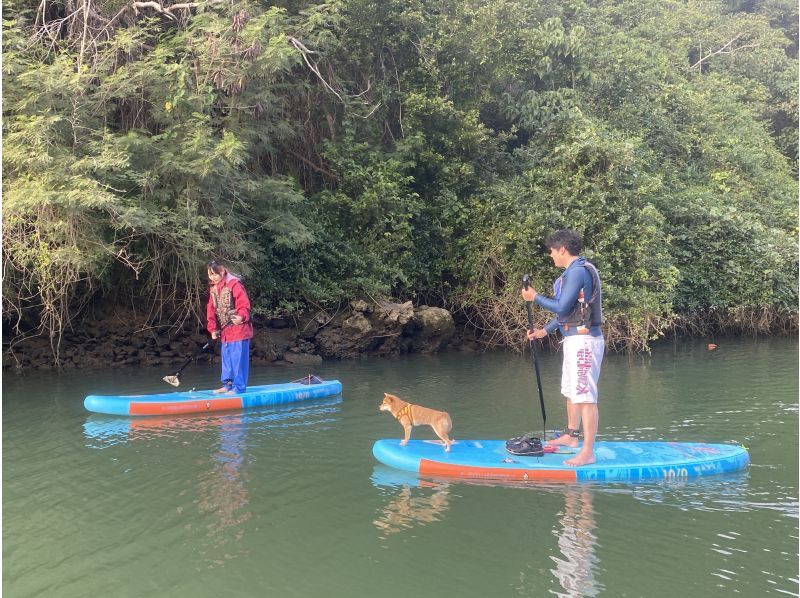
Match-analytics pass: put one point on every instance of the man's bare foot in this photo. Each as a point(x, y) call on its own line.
point(582, 458)
point(565, 440)
point(219, 391)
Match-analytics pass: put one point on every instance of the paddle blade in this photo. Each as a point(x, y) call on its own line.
point(173, 380)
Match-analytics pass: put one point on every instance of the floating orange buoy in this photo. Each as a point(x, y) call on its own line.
point(711, 346)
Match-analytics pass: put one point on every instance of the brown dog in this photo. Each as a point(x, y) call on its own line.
point(413, 415)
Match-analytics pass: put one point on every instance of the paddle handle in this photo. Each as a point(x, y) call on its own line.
point(526, 283)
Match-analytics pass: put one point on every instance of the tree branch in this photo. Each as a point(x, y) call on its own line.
point(310, 164)
point(305, 52)
point(723, 50)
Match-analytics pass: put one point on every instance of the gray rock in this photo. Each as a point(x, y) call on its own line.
point(435, 327)
point(361, 305)
point(356, 325)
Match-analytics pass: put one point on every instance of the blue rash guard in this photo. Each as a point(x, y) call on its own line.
point(566, 289)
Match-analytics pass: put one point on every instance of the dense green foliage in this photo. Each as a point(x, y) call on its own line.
point(416, 148)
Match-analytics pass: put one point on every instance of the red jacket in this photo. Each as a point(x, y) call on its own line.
point(225, 298)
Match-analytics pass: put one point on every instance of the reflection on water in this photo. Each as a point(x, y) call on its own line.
point(411, 500)
point(727, 492)
point(415, 501)
point(576, 566)
point(222, 482)
point(223, 493)
point(103, 431)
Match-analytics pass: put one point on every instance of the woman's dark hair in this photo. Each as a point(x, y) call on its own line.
point(216, 267)
point(568, 239)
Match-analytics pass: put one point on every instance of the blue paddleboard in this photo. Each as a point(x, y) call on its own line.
point(615, 461)
point(202, 401)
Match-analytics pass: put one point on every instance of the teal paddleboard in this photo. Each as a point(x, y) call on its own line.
point(619, 461)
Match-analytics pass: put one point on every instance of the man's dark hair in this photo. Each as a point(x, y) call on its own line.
point(568, 239)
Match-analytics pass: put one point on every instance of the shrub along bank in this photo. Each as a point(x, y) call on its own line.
point(419, 150)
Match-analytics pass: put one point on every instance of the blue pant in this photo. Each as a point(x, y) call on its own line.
point(236, 364)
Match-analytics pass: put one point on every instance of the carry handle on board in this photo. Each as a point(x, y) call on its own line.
point(309, 379)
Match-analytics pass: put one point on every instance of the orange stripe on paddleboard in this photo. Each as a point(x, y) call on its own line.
point(427, 467)
point(199, 406)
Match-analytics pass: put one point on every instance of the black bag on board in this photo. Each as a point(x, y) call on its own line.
point(526, 445)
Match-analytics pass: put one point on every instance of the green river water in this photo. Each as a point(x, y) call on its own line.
point(289, 501)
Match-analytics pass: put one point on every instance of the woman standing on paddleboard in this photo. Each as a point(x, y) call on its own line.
point(228, 315)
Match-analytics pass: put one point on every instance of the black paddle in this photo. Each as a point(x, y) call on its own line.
point(175, 379)
point(526, 282)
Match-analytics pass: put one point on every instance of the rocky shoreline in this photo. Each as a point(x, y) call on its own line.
point(363, 329)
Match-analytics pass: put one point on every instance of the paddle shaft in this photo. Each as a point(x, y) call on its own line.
point(526, 283)
point(193, 357)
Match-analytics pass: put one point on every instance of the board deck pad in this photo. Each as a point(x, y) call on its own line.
point(621, 461)
point(202, 401)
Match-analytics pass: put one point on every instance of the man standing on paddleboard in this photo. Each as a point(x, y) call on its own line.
point(577, 304)
point(228, 316)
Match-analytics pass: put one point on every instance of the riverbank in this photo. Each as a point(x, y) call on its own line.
point(361, 329)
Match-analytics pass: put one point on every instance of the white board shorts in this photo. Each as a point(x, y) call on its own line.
point(580, 371)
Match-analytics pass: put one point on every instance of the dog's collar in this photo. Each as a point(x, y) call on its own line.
point(405, 411)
